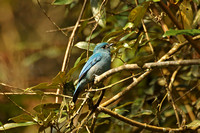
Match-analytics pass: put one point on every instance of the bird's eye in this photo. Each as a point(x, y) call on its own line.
point(104, 47)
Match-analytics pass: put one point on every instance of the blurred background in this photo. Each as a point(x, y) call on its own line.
point(29, 54)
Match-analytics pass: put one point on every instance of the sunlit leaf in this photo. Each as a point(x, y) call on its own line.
point(191, 32)
point(120, 111)
point(169, 113)
point(138, 13)
point(129, 25)
point(14, 125)
point(99, 12)
point(195, 70)
point(62, 2)
point(194, 125)
point(196, 21)
point(185, 14)
point(84, 45)
point(102, 115)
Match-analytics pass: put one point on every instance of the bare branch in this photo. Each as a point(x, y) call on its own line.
point(138, 124)
point(146, 66)
point(128, 88)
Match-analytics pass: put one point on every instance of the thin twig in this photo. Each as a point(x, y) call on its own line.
point(110, 86)
point(95, 26)
point(18, 105)
point(70, 44)
point(45, 13)
point(146, 33)
point(70, 28)
point(33, 93)
point(171, 96)
point(87, 97)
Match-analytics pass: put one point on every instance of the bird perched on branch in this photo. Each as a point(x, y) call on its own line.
point(97, 64)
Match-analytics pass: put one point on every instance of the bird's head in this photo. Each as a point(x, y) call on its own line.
point(102, 46)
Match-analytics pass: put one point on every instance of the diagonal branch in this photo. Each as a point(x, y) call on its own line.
point(138, 124)
point(120, 94)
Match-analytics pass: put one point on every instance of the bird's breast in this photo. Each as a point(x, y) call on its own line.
point(99, 68)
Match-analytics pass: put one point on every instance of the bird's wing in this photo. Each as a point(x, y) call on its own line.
point(91, 62)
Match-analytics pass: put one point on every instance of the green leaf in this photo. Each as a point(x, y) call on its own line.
point(59, 78)
point(190, 32)
point(156, 0)
point(196, 20)
point(47, 106)
point(99, 12)
point(72, 70)
point(21, 118)
point(84, 45)
point(14, 125)
point(127, 36)
point(43, 86)
point(137, 43)
point(62, 2)
point(137, 105)
point(56, 81)
point(194, 125)
point(122, 106)
point(112, 34)
point(79, 59)
point(142, 113)
point(93, 35)
point(138, 13)
point(129, 25)
point(103, 115)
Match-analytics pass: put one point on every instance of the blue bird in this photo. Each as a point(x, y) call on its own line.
point(97, 64)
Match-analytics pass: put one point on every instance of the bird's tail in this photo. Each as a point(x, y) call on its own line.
point(79, 87)
point(75, 95)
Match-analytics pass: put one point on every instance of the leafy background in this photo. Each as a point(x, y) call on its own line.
point(32, 51)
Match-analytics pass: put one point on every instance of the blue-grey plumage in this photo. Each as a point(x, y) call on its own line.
point(97, 64)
